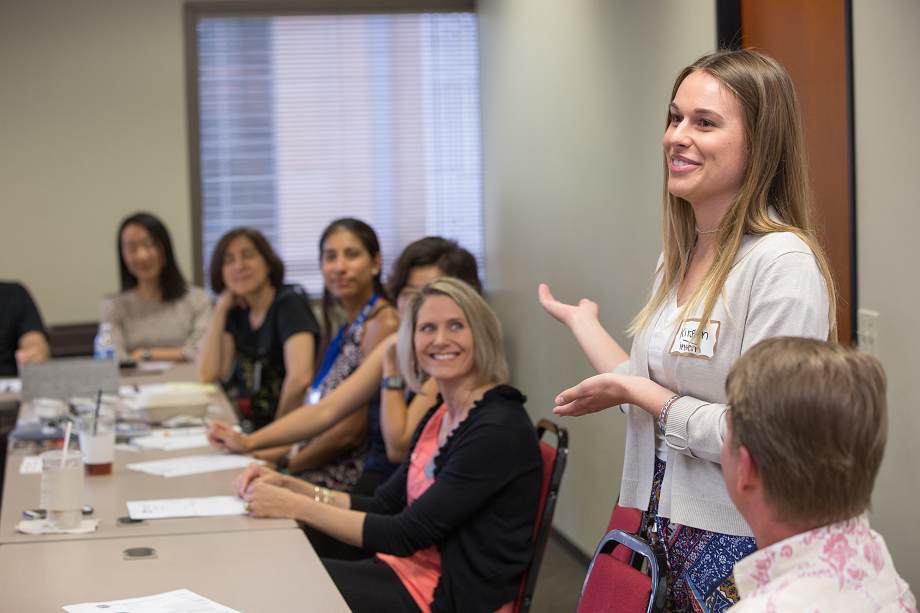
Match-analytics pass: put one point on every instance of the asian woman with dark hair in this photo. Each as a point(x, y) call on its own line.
point(157, 315)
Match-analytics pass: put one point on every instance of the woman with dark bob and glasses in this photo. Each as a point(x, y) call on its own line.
point(262, 337)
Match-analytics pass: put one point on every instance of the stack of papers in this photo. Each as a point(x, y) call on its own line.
point(160, 401)
point(167, 394)
point(184, 601)
point(193, 465)
point(167, 508)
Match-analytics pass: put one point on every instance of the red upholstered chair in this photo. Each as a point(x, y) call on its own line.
point(615, 586)
point(554, 459)
point(628, 520)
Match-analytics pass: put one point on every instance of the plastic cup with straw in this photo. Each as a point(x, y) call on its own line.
point(96, 412)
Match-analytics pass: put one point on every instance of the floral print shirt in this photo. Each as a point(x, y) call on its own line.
point(835, 568)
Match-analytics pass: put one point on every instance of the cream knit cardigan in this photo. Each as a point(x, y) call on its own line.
point(775, 288)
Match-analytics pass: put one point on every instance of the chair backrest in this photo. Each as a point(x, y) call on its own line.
point(72, 340)
point(554, 460)
point(68, 377)
point(628, 520)
point(614, 586)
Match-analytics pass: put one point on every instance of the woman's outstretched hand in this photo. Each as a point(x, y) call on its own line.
point(223, 436)
point(567, 314)
point(594, 394)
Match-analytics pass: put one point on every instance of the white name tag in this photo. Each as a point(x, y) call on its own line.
point(704, 347)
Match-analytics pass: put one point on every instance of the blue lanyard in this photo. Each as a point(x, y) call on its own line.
point(335, 347)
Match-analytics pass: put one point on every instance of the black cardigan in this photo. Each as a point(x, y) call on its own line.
point(479, 511)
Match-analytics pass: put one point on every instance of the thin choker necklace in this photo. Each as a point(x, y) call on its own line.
point(698, 231)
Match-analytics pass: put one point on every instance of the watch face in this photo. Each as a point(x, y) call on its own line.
point(393, 383)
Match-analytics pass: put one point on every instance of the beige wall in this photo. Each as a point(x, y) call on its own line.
point(574, 97)
point(885, 53)
point(93, 128)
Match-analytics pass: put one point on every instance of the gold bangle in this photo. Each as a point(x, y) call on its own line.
point(322, 494)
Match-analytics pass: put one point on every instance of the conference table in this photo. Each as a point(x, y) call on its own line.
point(241, 562)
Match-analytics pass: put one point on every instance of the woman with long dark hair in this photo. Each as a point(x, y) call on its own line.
point(157, 315)
point(355, 298)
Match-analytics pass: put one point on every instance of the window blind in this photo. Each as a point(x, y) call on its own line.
point(305, 119)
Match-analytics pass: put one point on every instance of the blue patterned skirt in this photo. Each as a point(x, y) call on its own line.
point(699, 562)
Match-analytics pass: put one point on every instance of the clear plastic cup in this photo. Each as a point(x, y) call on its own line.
point(62, 488)
point(97, 440)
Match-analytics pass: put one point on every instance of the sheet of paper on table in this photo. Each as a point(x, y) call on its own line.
point(10, 385)
point(172, 439)
point(177, 601)
point(193, 464)
point(167, 508)
point(31, 465)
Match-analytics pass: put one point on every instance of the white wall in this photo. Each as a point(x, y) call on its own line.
point(92, 117)
point(885, 53)
point(574, 99)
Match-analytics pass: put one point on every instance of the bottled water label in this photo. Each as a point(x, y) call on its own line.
point(103, 345)
point(104, 353)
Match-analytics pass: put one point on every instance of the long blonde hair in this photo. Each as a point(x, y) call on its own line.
point(775, 175)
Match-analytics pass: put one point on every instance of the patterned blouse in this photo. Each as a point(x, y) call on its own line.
point(342, 473)
point(836, 568)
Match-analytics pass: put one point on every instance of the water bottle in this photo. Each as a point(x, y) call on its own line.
point(104, 345)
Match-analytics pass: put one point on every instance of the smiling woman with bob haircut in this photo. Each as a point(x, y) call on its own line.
point(740, 263)
point(452, 527)
point(262, 336)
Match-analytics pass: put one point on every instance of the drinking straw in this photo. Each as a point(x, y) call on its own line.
point(96, 414)
point(67, 429)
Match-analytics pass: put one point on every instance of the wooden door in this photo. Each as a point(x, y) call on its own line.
point(812, 40)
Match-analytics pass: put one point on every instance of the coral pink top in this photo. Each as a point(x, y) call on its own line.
point(421, 571)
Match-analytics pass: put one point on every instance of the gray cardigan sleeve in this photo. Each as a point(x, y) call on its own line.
point(788, 298)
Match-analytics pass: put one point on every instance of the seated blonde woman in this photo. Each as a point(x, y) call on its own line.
point(451, 529)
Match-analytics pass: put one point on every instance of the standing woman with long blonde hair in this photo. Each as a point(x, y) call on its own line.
point(740, 263)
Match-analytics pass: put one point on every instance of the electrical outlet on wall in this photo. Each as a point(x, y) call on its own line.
point(867, 331)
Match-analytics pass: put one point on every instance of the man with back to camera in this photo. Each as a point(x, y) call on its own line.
point(805, 437)
point(22, 335)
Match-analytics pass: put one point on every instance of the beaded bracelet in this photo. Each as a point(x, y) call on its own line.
point(663, 415)
point(321, 494)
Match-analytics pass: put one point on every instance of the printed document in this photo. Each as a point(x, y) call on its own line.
point(166, 508)
point(193, 465)
point(178, 601)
